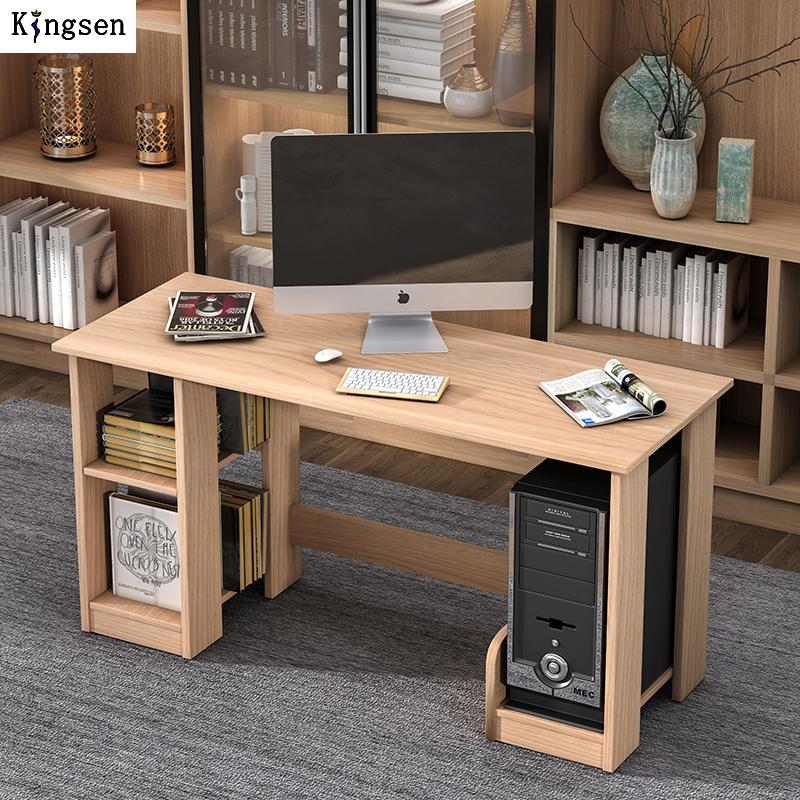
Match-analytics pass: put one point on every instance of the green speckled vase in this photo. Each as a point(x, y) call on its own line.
point(627, 127)
point(673, 176)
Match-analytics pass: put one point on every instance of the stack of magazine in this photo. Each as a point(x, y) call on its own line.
point(601, 396)
point(212, 316)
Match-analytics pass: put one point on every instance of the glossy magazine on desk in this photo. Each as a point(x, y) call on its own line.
point(601, 396)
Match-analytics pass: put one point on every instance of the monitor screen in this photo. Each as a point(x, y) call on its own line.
point(398, 209)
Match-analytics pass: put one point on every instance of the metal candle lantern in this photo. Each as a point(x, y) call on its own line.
point(155, 134)
point(65, 84)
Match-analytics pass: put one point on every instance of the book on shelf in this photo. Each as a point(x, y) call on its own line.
point(96, 277)
point(411, 53)
point(663, 289)
point(411, 29)
point(11, 216)
point(602, 396)
point(323, 43)
point(437, 12)
point(145, 551)
point(251, 265)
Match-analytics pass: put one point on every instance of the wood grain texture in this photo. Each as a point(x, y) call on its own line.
point(163, 16)
point(135, 622)
point(627, 535)
point(399, 548)
point(113, 171)
point(783, 434)
point(495, 687)
point(657, 684)
point(420, 442)
point(694, 551)
point(199, 534)
point(783, 321)
point(16, 90)
point(768, 512)
point(611, 204)
point(513, 416)
point(741, 30)
point(581, 85)
point(91, 389)
point(281, 475)
point(114, 473)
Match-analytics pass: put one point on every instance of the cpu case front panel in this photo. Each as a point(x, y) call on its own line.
point(556, 599)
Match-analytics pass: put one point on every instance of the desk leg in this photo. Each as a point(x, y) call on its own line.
point(281, 465)
point(198, 516)
point(624, 615)
point(694, 553)
point(91, 388)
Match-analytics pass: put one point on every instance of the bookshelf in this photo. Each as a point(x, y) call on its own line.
point(757, 471)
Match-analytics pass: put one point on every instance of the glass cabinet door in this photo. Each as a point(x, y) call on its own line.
point(269, 67)
point(455, 65)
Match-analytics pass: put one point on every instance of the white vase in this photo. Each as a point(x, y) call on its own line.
point(673, 176)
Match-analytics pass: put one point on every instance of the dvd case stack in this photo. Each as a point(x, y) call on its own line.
point(697, 295)
point(58, 264)
point(420, 46)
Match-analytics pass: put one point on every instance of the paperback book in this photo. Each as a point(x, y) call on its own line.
point(602, 396)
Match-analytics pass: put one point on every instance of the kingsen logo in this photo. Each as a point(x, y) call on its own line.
point(63, 28)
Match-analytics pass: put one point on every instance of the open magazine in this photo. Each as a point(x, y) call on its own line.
point(601, 396)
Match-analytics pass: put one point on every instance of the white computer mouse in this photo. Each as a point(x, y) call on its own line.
point(328, 354)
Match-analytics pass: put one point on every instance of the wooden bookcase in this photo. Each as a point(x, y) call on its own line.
point(758, 442)
point(150, 207)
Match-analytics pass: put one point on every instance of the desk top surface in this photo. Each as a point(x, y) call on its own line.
point(493, 398)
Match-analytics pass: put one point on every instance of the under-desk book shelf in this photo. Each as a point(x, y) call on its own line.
point(758, 440)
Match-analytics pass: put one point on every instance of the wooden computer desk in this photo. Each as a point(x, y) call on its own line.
point(493, 414)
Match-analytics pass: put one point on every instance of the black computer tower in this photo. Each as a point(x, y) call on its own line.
point(556, 611)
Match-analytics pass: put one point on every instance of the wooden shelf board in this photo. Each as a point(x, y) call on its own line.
point(228, 595)
point(743, 359)
point(33, 331)
point(123, 607)
point(611, 203)
point(162, 16)
point(787, 485)
point(789, 376)
point(130, 477)
point(737, 457)
point(229, 230)
point(113, 171)
point(391, 111)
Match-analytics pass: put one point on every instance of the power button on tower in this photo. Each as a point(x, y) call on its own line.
point(554, 667)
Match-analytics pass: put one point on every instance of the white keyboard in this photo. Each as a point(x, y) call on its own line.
point(399, 385)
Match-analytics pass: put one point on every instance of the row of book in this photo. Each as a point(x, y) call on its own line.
point(145, 563)
point(58, 264)
point(664, 289)
point(251, 265)
point(285, 44)
point(139, 433)
point(420, 46)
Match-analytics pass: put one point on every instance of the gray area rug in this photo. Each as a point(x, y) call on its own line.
point(358, 682)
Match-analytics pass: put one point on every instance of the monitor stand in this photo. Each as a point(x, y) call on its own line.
point(402, 333)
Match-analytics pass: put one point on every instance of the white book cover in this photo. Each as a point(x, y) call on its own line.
point(233, 262)
point(438, 11)
point(253, 263)
point(650, 293)
point(579, 285)
point(435, 72)
point(54, 266)
point(617, 249)
point(671, 255)
point(674, 309)
point(38, 255)
point(10, 221)
point(96, 276)
point(16, 259)
point(409, 92)
point(600, 262)
point(688, 299)
point(711, 265)
point(419, 55)
point(659, 288)
point(41, 238)
point(605, 291)
point(424, 44)
point(640, 294)
point(592, 240)
point(699, 296)
point(389, 78)
point(144, 551)
point(637, 249)
point(430, 33)
point(624, 288)
point(715, 303)
point(29, 277)
point(71, 234)
point(680, 289)
point(734, 292)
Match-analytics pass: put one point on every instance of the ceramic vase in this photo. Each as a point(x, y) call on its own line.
point(468, 94)
point(514, 64)
point(673, 175)
point(627, 126)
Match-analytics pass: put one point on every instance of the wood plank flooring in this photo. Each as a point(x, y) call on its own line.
point(746, 542)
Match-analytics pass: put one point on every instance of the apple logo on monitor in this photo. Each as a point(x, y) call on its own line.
point(403, 297)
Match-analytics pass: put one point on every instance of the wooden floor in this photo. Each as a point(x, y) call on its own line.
point(760, 545)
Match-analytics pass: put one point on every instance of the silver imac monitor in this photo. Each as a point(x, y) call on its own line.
point(400, 225)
